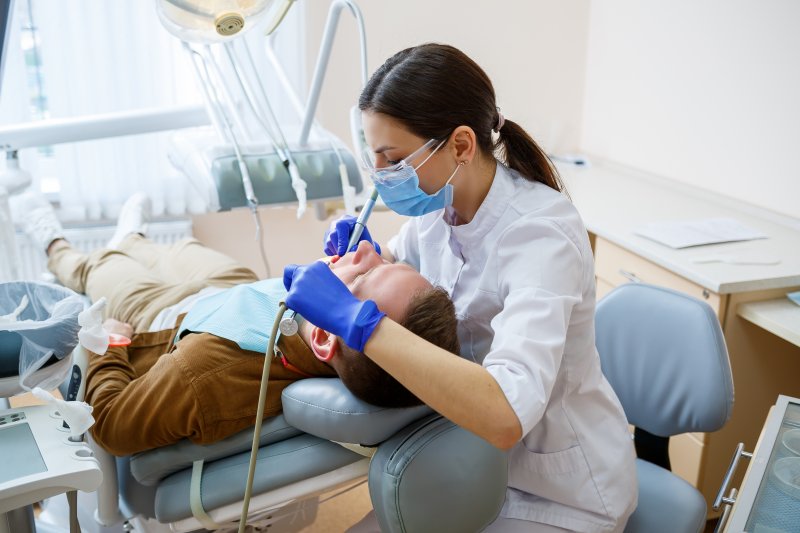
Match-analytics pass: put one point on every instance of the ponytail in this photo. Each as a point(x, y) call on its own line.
point(433, 88)
point(519, 151)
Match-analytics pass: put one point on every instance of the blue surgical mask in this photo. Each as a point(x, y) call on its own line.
point(399, 188)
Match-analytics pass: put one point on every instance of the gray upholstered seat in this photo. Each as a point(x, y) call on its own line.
point(152, 466)
point(664, 354)
point(279, 464)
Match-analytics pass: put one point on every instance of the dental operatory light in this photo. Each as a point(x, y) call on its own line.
point(214, 21)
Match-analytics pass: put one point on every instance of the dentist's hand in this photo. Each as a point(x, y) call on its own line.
point(338, 235)
point(322, 299)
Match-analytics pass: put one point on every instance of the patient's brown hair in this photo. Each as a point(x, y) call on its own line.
point(432, 316)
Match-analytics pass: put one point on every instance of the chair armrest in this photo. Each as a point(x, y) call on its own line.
point(436, 476)
point(325, 408)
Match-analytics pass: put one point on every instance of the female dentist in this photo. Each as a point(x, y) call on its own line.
point(513, 253)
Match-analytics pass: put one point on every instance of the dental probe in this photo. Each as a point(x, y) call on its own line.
point(361, 222)
point(288, 325)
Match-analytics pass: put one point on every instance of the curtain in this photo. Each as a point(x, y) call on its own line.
point(87, 57)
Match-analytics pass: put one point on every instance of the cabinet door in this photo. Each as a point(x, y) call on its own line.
point(686, 455)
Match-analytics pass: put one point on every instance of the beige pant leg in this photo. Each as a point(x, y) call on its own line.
point(187, 260)
point(135, 294)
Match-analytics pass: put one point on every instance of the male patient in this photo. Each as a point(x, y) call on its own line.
point(200, 323)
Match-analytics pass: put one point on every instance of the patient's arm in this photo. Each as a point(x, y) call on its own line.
point(133, 413)
point(205, 389)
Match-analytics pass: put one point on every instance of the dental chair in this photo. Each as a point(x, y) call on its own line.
point(664, 354)
point(426, 474)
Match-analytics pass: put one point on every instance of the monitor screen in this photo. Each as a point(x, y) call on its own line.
point(20, 453)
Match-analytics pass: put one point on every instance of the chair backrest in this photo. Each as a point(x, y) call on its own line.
point(664, 354)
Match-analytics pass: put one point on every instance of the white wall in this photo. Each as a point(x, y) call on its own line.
point(533, 50)
point(705, 92)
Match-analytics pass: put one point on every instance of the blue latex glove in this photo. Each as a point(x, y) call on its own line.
point(338, 235)
point(321, 298)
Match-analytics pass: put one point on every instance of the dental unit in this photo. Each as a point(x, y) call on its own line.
point(326, 439)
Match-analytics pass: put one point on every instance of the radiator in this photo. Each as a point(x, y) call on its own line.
point(32, 262)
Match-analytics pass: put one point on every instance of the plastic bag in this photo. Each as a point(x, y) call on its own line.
point(39, 332)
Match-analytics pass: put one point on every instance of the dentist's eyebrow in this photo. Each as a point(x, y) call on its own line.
point(383, 149)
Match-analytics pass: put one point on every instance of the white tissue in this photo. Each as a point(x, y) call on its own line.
point(78, 415)
point(92, 336)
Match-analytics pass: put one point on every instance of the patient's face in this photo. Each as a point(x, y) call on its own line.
point(370, 277)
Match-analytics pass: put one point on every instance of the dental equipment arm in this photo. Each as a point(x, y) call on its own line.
point(324, 58)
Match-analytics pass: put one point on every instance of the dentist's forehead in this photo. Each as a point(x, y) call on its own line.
point(384, 132)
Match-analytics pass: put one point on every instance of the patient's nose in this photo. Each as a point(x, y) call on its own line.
point(365, 254)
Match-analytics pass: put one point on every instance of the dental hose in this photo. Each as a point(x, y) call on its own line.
point(262, 400)
point(358, 229)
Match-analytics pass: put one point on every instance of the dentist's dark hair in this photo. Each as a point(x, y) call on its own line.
point(433, 88)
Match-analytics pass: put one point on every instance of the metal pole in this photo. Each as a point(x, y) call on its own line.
point(324, 58)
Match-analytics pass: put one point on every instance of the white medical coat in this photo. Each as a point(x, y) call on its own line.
point(521, 275)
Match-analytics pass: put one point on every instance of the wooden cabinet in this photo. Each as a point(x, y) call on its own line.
point(763, 365)
point(615, 265)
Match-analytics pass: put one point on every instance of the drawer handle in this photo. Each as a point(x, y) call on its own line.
point(737, 454)
point(723, 520)
point(630, 276)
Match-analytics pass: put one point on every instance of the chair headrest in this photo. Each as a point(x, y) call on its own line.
point(324, 407)
point(664, 354)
